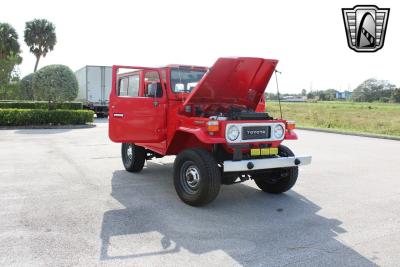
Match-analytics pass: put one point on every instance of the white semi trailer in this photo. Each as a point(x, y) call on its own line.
point(94, 88)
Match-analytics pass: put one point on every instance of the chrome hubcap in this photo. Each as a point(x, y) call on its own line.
point(190, 179)
point(192, 176)
point(129, 152)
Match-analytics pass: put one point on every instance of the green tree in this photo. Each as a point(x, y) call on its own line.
point(8, 72)
point(373, 90)
point(395, 97)
point(9, 45)
point(322, 96)
point(40, 36)
point(330, 94)
point(26, 87)
point(304, 92)
point(9, 76)
point(9, 59)
point(311, 95)
point(55, 83)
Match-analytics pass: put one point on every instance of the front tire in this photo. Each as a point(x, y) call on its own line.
point(278, 180)
point(197, 177)
point(133, 157)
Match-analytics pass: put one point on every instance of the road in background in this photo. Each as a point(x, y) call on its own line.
point(66, 200)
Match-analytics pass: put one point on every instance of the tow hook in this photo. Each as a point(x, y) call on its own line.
point(297, 161)
point(250, 165)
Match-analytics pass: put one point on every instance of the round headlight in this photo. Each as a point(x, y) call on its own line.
point(278, 131)
point(233, 133)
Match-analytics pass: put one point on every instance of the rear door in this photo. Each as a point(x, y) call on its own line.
point(135, 115)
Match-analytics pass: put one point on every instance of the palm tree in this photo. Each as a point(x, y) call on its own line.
point(9, 45)
point(40, 36)
point(9, 55)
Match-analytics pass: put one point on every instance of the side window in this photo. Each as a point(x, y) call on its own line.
point(153, 87)
point(133, 87)
point(129, 85)
point(123, 86)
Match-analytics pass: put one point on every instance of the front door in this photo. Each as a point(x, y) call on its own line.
point(137, 107)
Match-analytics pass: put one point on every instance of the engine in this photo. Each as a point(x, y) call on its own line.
point(235, 114)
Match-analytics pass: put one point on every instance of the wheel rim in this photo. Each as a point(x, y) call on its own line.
point(129, 152)
point(190, 177)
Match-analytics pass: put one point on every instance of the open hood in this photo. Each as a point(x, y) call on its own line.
point(240, 81)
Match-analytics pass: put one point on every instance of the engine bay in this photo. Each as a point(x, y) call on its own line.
point(217, 112)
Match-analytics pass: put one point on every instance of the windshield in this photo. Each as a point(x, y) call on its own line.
point(184, 80)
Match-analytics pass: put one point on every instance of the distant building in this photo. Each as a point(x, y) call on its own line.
point(343, 95)
point(293, 99)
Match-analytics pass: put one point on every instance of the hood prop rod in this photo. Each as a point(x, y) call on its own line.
point(277, 90)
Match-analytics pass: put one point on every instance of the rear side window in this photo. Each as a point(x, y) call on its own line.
point(129, 85)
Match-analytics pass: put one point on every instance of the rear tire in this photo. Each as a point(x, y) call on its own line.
point(197, 177)
point(133, 157)
point(279, 180)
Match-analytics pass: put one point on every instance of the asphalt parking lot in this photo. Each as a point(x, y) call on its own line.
point(66, 200)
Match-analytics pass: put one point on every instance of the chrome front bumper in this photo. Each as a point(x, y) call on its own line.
point(262, 164)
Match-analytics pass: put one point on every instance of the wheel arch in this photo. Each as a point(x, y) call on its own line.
point(185, 139)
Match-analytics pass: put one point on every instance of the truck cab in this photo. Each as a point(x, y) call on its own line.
point(213, 119)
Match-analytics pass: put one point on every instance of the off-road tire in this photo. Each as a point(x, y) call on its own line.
point(192, 163)
point(135, 162)
point(279, 180)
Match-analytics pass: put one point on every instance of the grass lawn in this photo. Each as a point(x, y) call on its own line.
point(376, 118)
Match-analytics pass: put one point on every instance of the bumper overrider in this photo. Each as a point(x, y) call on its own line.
point(262, 164)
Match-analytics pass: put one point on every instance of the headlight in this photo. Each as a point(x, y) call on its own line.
point(278, 131)
point(233, 133)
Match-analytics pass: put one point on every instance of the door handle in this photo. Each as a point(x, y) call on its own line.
point(118, 115)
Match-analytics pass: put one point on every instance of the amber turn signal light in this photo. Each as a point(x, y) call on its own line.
point(212, 126)
point(290, 125)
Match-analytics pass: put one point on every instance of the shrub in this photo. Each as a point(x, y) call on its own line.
point(55, 83)
point(26, 87)
point(384, 99)
point(40, 105)
point(24, 117)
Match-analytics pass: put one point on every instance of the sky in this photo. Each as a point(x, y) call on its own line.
point(307, 37)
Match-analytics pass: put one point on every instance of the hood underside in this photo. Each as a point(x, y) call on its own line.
point(236, 81)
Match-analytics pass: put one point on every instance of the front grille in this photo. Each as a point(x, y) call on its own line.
point(256, 132)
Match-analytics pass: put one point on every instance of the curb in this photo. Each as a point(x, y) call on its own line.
point(350, 133)
point(38, 127)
